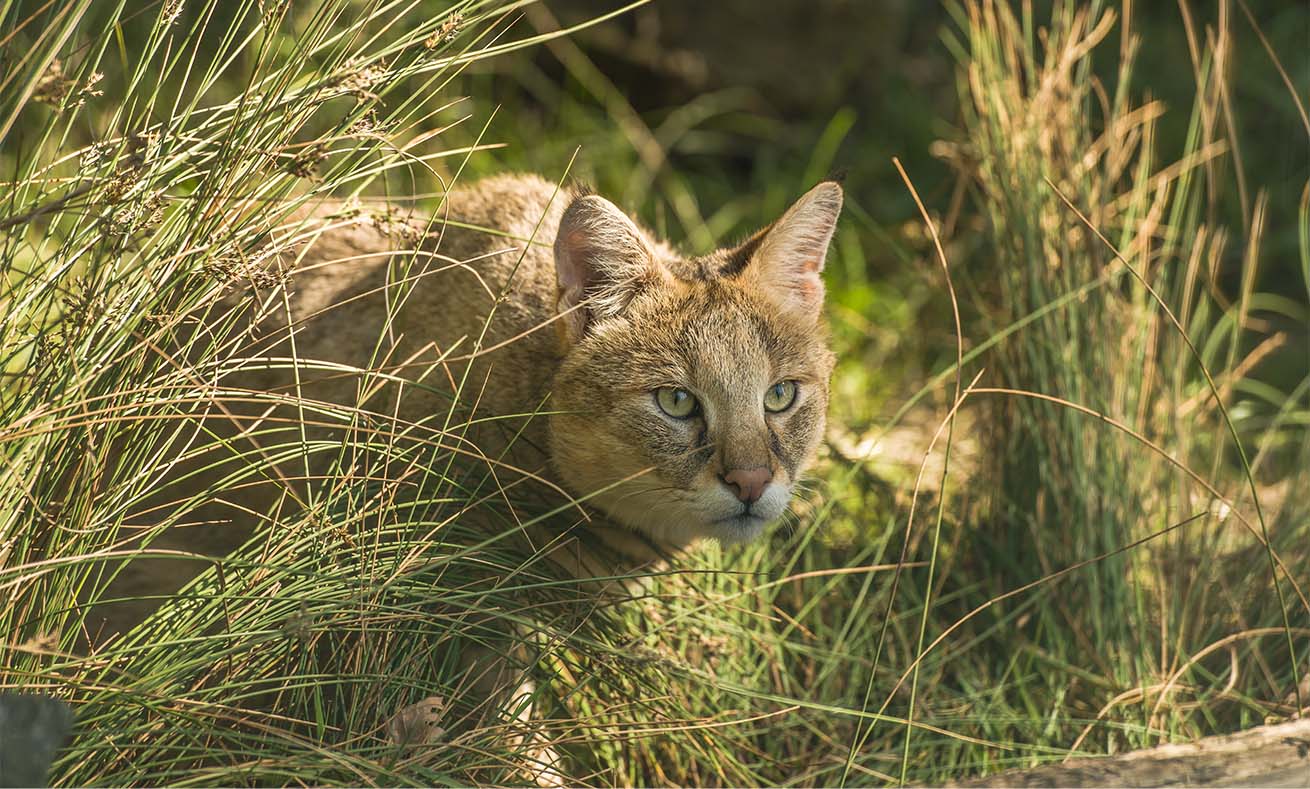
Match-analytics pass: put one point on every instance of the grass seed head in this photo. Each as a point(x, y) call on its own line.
point(447, 33)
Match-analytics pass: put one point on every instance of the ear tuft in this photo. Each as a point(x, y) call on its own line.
point(791, 255)
point(601, 260)
point(579, 188)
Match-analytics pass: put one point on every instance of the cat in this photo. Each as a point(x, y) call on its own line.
point(676, 398)
point(656, 399)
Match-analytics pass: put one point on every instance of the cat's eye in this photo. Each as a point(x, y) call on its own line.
point(780, 396)
point(677, 403)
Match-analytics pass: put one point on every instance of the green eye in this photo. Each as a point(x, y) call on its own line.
point(780, 396)
point(677, 403)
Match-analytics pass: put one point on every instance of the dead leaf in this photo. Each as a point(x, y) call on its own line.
point(417, 724)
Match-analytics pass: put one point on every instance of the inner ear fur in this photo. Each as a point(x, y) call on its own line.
point(601, 260)
point(786, 259)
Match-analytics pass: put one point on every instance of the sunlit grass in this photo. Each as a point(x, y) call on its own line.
point(1085, 574)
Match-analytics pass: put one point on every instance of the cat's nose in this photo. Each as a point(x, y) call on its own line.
point(748, 483)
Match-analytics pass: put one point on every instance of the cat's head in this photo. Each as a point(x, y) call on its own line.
point(692, 392)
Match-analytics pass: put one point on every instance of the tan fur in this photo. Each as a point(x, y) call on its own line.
point(646, 318)
point(551, 333)
point(567, 310)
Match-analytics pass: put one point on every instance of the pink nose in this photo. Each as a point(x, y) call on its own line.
point(748, 483)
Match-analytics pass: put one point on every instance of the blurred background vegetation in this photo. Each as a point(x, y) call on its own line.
point(1107, 547)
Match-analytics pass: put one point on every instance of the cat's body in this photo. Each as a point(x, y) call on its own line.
point(674, 398)
point(572, 342)
point(537, 333)
point(557, 331)
point(430, 329)
point(363, 294)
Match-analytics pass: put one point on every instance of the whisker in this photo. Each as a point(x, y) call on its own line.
point(676, 493)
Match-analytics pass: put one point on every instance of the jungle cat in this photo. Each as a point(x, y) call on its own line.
point(679, 398)
point(682, 397)
point(674, 398)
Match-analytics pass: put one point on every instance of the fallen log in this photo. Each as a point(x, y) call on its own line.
point(1272, 756)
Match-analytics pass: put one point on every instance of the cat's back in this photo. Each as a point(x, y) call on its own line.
point(485, 240)
point(383, 312)
point(467, 292)
point(491, 247)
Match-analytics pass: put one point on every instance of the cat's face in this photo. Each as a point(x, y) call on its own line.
point(692, 394)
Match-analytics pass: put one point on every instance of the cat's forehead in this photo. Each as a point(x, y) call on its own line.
point(722, 337)
point(715, 328)
point(720, 264)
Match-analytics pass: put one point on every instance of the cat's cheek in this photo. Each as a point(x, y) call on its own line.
point(585, 453)
point(672, 448)
point(775, 500)
point(800, 436)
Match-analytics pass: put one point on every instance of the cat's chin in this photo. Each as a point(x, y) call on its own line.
point(679, 533)
point(691, 527)
point(676, 520)
point(736, 528)
point(723, 518)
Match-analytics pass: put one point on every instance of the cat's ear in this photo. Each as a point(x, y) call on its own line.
point(601, 261)
point(789, 254)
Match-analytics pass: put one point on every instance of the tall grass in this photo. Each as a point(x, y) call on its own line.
point(1117, 416)
point(1099, 581)
point(147, 185)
